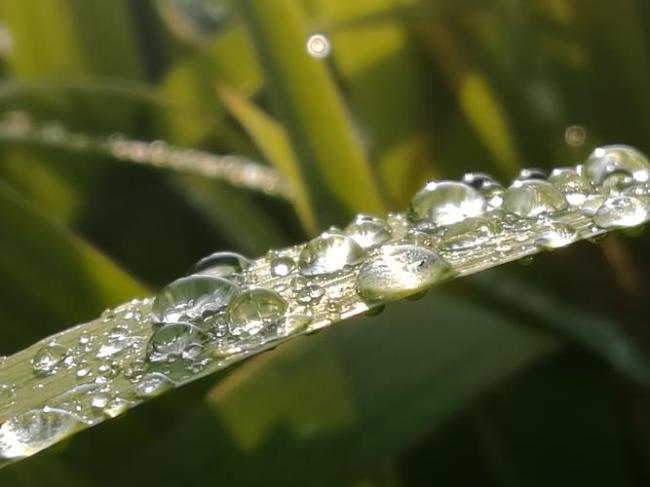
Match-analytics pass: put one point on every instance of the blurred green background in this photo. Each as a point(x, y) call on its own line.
point(520, 376)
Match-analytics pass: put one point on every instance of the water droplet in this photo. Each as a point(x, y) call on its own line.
point(575, 187)
point(328, 253)
point(254, 310)
point(368, 231)
point(220, 264)
point(616, 182)
point(639, 190)
point(31, 432)
point(282, 266)
point(318, 46)
point(531, 173)
point(553, 235)
point(190, 297)
point(606, 160)
point(168, 343)
point(399, 271)
point(446, 202)
point(532, 198)
point(153, 384)
point(47, 359)
point(479, 180)
point(620, 212)
point(310, 294)
point(468, 234)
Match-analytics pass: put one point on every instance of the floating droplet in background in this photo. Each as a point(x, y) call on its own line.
point(398, 271)
point(328, 253)
point(446, 202)
point(318, 46)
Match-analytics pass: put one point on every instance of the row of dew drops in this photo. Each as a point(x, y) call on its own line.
point(229, 306)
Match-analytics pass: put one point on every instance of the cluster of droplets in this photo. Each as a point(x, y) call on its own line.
point(229, 307)
point(18, 127)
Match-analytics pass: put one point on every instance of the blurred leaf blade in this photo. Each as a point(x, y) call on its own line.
point(52, 277)
point(274, 144)
point(334, 166)
point(324, 398)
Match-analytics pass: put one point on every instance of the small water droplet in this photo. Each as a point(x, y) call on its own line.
point(368, 231)
point(399, 271)
point(152, 384)
point(168, 343)
point(190, 297)
point(328, 253)
point(553, 235)
point(33, 431)
point(606, 160)
point(479, 180)
point(282, 266)
point(255, 309)
point(621, 212)
point(532, 198)
point(220, 264)
point(531, 173)
point(446, 202)
point(47, 359)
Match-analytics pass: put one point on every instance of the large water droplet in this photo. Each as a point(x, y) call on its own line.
point(468, 234)
point(328, 253)
point(621, 212)
point(190, 297)
point(368, 231)
point(220, 264)
point(173, 341)
point(31, 432)
point(606, 160)
point(446, 202)
point(532, 198)
point(575, 187)
point(47, 359)
point(399, 271)
point(255, 309)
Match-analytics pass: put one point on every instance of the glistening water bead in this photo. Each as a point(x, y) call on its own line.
point(604, 161)
point(532, 198)
point(253, 310)
point(446, 202)
point(220, 264)
point(328, 253)
point(399, 271)
point(622, 212)
point(24, 435)
point(368, 231)
point(189, 298)
point(175, 341)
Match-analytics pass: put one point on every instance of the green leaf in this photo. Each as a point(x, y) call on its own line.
point(50, 277)
point(345, 400)
point(273, 142)
point(333, 164)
